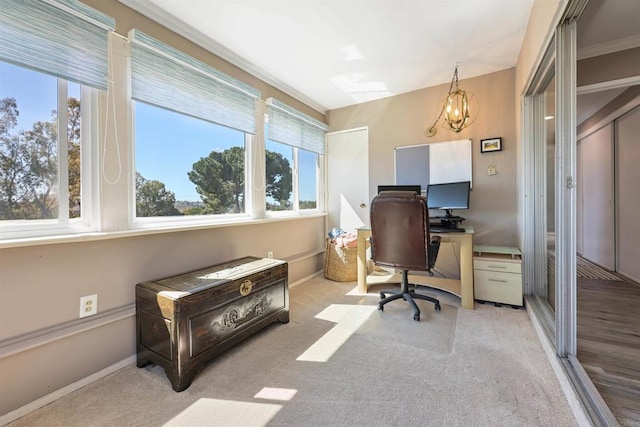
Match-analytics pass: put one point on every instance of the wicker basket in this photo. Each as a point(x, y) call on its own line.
point(340, 263)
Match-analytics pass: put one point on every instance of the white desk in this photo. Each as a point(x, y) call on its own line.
point(462, 288)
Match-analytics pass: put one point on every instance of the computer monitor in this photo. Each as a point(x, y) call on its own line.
point(415, 188)
point(449, 196)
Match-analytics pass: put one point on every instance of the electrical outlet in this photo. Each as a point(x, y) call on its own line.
point(270, 254)
point(491, 170)
point(89, 305)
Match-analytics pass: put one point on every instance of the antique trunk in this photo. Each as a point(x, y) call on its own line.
point(184, 321)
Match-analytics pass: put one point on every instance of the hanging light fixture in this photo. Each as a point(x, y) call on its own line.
point(456, 109)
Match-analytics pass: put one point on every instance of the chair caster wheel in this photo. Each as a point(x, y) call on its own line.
point(416, 317)
point(382, 295)
point(438, 308)
point(381, 307)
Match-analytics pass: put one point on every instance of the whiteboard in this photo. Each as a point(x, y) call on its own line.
point(435, 163)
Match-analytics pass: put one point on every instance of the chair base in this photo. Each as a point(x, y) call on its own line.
point(408, 295)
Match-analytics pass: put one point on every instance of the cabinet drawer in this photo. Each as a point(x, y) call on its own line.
point(498, 266)
point(503, 288)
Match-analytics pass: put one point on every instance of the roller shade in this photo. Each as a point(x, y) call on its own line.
point(168, 78)
point(292, 127)
point(61, 37)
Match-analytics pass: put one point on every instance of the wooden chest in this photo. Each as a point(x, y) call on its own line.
point(184, 321)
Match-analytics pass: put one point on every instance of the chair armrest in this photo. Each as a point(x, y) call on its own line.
point(434, 248)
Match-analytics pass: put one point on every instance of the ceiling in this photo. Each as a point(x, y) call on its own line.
point(331, 54)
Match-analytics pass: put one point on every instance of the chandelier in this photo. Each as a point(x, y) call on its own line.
point(456, 109)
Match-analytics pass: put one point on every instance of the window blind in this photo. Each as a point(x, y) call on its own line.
point(61, 37)
point(165, 77)
point(292, 127)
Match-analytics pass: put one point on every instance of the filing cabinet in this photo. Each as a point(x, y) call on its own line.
point(497, 275)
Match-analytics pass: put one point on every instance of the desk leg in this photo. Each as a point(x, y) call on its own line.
point(362, 260)
point(466, 272)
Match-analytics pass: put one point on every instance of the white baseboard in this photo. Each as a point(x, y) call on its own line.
point(52, 397)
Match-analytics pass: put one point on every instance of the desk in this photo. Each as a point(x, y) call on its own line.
point(462, 288)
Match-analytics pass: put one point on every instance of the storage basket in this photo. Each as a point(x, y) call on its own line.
point(340, 263)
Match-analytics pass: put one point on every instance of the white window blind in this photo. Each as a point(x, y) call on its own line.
point(61, 37)
point(292, 127)
point(167, 78)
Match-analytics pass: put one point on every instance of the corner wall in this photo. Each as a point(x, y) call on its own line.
point(401, 120)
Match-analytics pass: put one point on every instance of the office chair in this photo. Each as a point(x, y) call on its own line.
point(400, 239)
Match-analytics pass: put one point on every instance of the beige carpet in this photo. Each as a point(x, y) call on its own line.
point(435, 331)
point(482, 367)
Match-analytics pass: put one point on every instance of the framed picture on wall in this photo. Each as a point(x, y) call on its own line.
point(488, 145)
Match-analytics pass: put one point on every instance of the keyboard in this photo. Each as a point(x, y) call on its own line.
point(437, 229)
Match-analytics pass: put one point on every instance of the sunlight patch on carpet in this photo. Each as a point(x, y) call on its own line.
point(234, 413)
point(348, 319)
point(272, 393)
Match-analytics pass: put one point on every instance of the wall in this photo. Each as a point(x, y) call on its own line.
point(614, 66)
point(595, 198)
point(401, 120)
point(41, 286)
point(44, 346)
point(543, 19)
point(628, 196)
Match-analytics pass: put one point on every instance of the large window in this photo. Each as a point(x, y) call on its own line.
point(187, 166)
point(52, 53)
point(69, 162)
point(43, 181)
point(192, 124)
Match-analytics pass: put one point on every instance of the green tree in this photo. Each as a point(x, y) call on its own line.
point(73, 147)
point(279, 179)
point(29, 164)
point(219, 179)
point(153, 199)
point(11, 160)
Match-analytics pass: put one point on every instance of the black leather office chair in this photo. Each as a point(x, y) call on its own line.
point(400, 239)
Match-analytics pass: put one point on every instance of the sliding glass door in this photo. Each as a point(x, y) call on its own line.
point(550, 223)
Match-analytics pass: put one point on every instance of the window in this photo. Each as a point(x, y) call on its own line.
point(299, 140)
point(44, 184)
point(53, 58)
point(192, 124)
point(186, 166)
point(308, 166)
point(291, 177)
point(279, 176)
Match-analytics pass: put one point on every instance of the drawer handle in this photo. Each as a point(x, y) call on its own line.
point(497, 266)
point(498, 280)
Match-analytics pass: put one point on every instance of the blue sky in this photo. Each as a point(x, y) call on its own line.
point(167, 144)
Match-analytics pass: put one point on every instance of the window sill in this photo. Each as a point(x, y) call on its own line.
point(160, 229)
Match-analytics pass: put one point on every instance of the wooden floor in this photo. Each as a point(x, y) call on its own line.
point(609, 343)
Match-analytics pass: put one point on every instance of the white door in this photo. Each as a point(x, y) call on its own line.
point(348, 179)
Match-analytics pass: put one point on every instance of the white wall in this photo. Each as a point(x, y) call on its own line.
point(596, 197)
point(628, 194)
